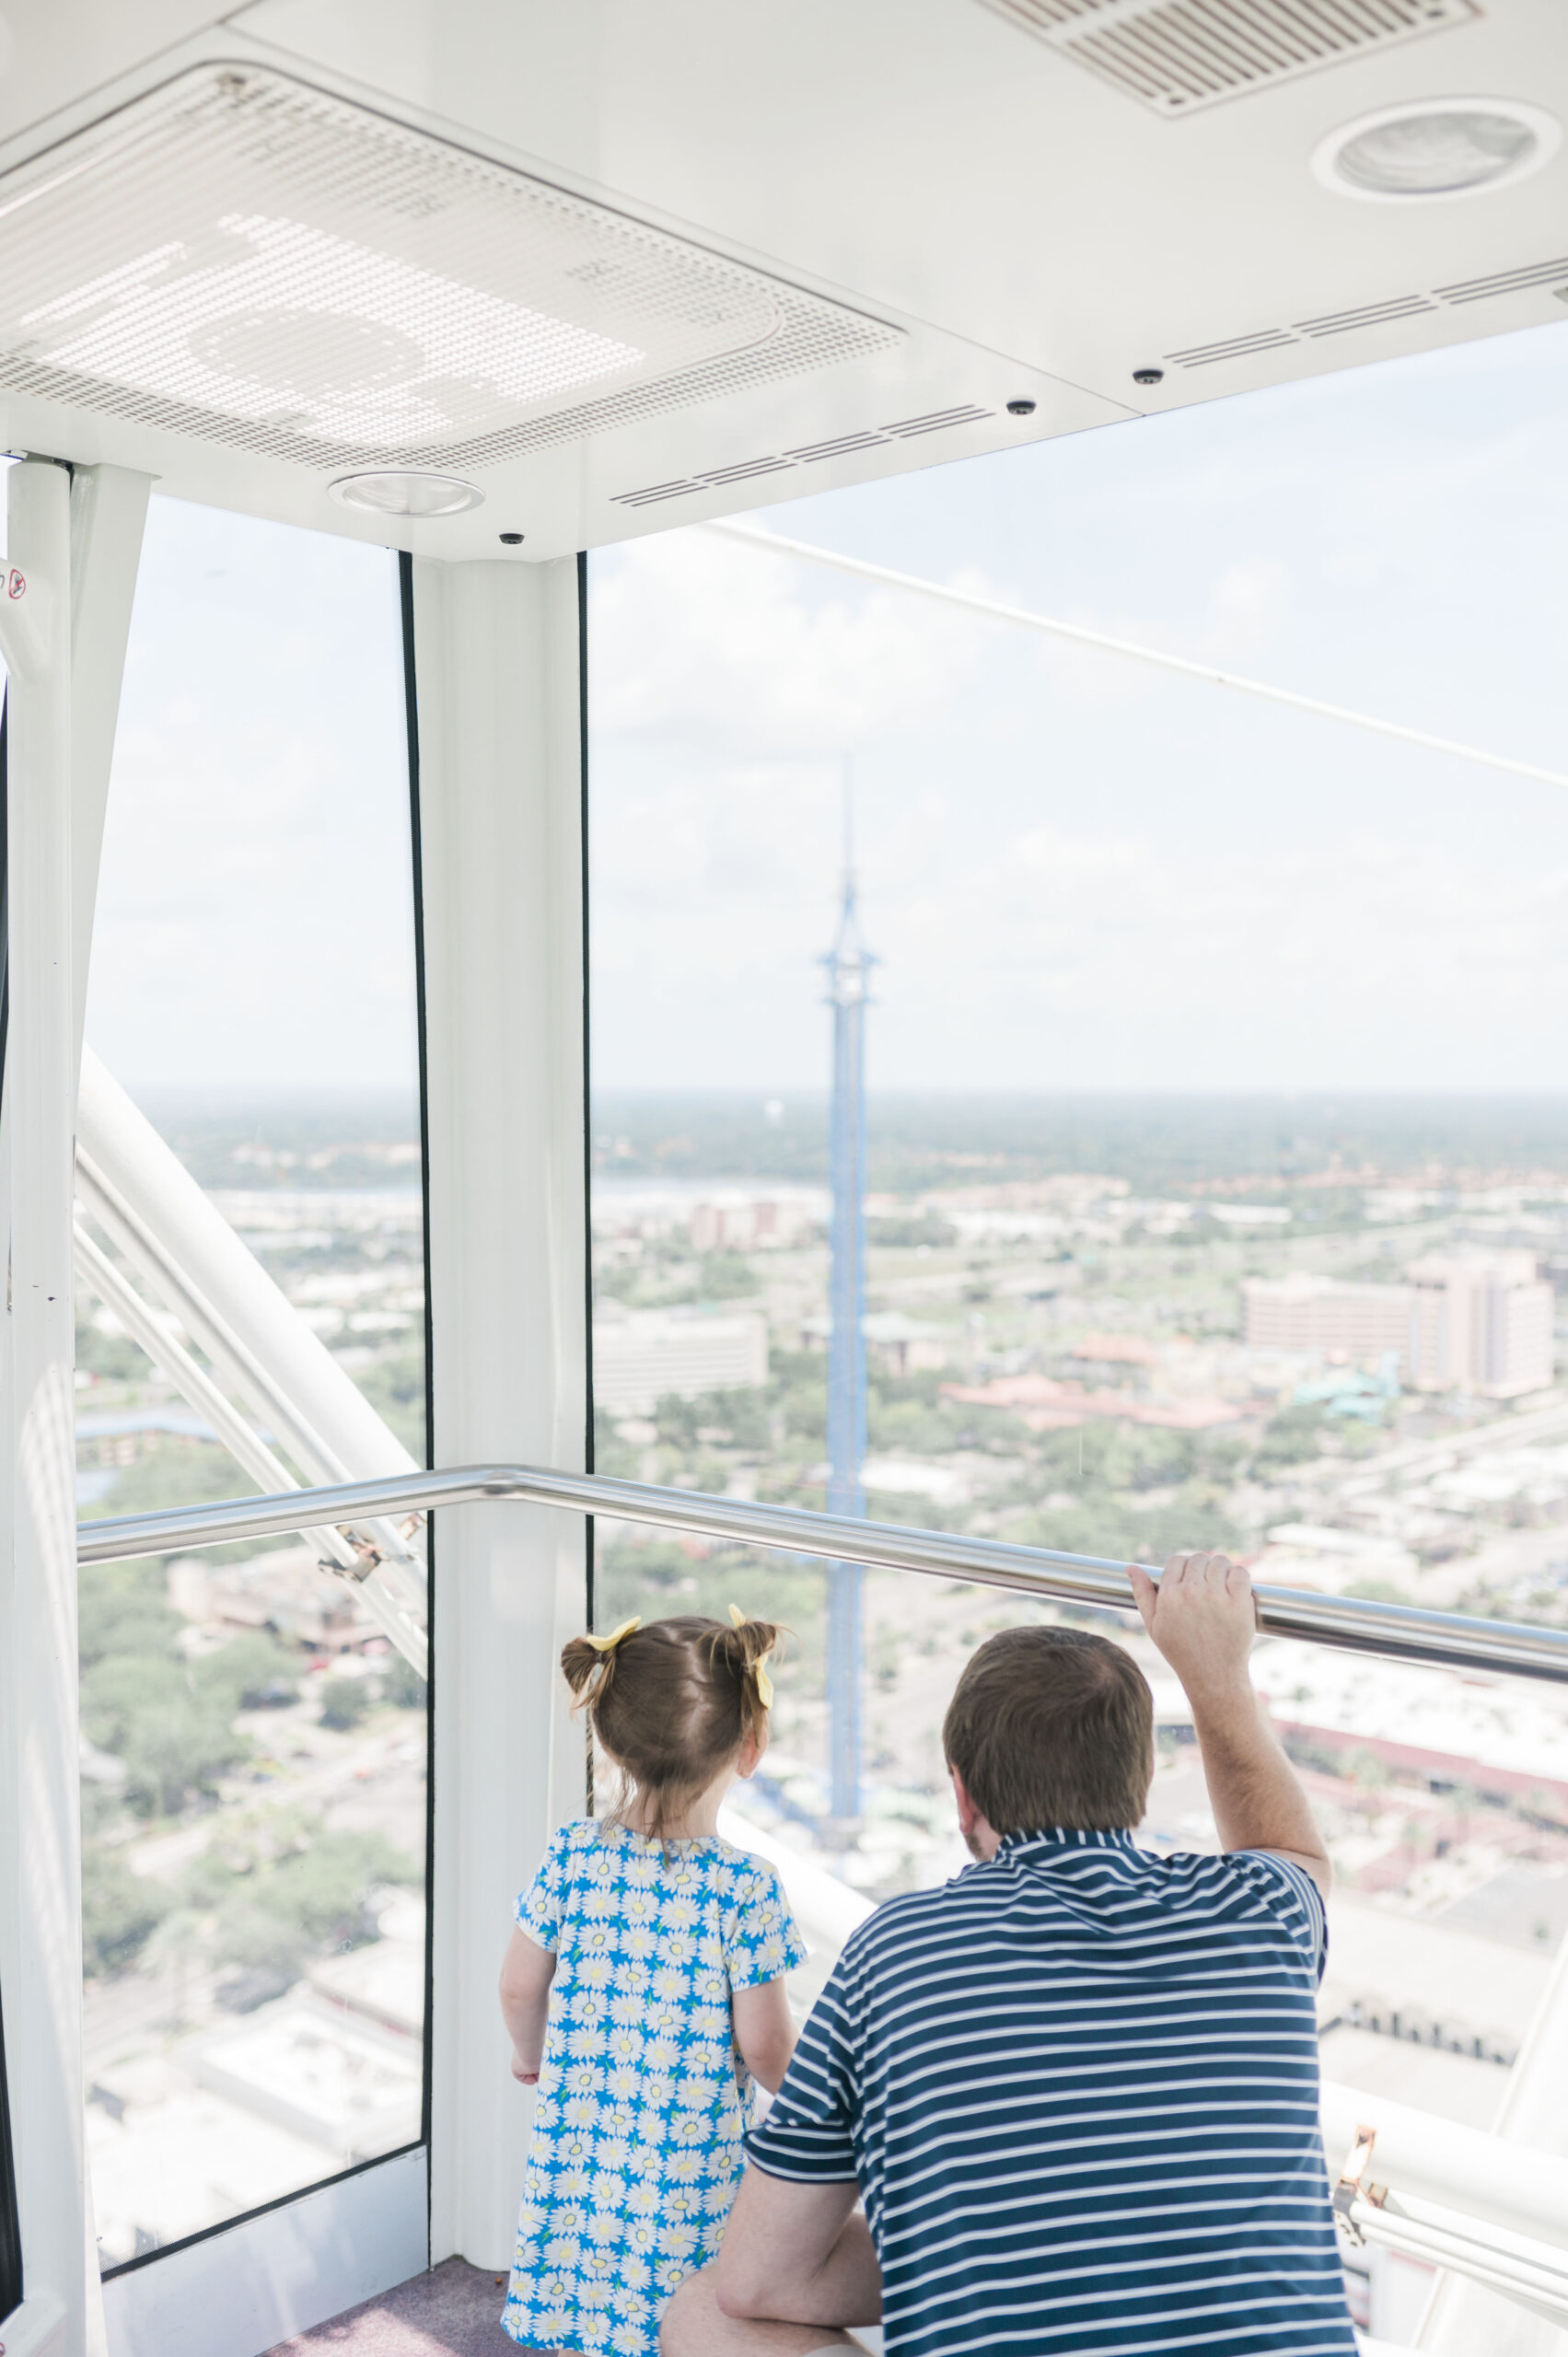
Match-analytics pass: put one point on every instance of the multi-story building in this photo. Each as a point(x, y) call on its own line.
point(734, 1222)
point(1481, 1322)
point(644, 1355)
point(1472, 1321)
point(1331, 1315)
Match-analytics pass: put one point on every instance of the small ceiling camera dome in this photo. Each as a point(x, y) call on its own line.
point(1148, 376)
point(511, 540)
point(1020, 409)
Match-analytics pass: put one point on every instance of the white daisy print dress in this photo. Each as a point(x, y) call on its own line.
point(643, 2098)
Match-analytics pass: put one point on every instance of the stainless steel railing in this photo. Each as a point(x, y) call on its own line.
point(1400, 1632)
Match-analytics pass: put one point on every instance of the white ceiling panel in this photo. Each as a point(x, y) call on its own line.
point(948, 204)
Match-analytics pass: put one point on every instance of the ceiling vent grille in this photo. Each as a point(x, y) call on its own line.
point(1552, 276)
point(1509, 282)
point(245, 259)
point(809, 454)
point(1177, 55)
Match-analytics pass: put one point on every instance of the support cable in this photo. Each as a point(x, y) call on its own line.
point(1079, 635)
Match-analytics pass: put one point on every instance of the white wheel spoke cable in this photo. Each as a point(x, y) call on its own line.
point(1079, 635)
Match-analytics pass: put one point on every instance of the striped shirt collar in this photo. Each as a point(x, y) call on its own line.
point(1062, 1837)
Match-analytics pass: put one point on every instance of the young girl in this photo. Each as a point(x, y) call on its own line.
point(644, 1991)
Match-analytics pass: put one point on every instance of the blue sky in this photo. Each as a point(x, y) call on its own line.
point(1078, 873)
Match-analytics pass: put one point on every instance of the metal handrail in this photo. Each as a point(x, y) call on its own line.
point(1356, 1624)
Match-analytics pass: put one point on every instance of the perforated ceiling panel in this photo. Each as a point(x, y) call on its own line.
point(1177, 55)
point(243, 259)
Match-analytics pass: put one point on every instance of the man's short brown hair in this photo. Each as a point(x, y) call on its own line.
point(1052, 1727)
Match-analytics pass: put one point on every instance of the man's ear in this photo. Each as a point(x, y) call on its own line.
point(979, 1836)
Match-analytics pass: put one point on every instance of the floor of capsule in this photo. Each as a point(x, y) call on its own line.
point(453, 2311)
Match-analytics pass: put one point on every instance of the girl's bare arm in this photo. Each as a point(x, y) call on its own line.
point(764, 2031)
point(525, 1976)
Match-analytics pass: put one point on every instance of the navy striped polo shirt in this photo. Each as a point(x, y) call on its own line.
point(1078, 2089)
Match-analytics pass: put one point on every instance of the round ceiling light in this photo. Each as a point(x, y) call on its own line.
point(394, 492)
point(1434, 149)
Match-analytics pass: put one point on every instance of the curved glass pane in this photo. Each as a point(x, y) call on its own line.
point(1217, 1189)
point(255, 1741)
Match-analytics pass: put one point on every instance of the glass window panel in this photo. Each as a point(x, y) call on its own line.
point(255, 1761)
point(1218, 1161)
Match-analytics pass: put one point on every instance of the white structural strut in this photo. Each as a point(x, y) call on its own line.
point(1464, 2317)
point(393, 1589)
point(136, 1189)
point(35, 2329)
point(124, 1159)
point(99, 1277)
point(25, 647)
point(109, 513)
point(41, 1924)
point(1419, 2155)
point(1079, 635)
point(1518, 2269)
point(497, 664)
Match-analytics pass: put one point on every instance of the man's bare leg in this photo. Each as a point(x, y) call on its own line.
point(695, 2326)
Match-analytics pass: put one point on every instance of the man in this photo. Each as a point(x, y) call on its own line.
point(1076, 2086)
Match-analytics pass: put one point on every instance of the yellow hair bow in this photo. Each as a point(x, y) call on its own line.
point(764, 1683)
point(607, 1644)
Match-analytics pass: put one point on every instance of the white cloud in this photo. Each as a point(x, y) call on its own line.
point(693, 637)
point(1077, 959)
point(254, 916)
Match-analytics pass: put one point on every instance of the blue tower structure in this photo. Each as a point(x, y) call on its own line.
point(848, 964)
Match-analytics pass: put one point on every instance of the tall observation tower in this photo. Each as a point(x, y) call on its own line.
point(848, 964)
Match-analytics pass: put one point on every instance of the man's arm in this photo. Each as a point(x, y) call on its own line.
point(798, 2253)
point(1200, 1616)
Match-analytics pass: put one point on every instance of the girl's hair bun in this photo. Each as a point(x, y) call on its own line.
point(749, 1644)
point(579, 1664)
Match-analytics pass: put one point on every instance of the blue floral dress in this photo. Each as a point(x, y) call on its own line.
point(643, 2096)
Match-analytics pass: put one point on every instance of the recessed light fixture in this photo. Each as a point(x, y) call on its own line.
point(1431, 149)
point(393, 493)
point(239, 256)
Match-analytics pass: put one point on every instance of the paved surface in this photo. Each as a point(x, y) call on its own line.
point(453, 2311)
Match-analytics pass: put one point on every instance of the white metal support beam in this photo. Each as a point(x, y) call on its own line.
point(136, 1187)
point(497, 655)
point(109, 514)
point(40, 1926)
point(1464, 2317)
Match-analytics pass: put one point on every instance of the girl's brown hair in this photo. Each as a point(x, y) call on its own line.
point(670, 1703)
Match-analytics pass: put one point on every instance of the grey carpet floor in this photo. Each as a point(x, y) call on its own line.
point(453, 2311)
